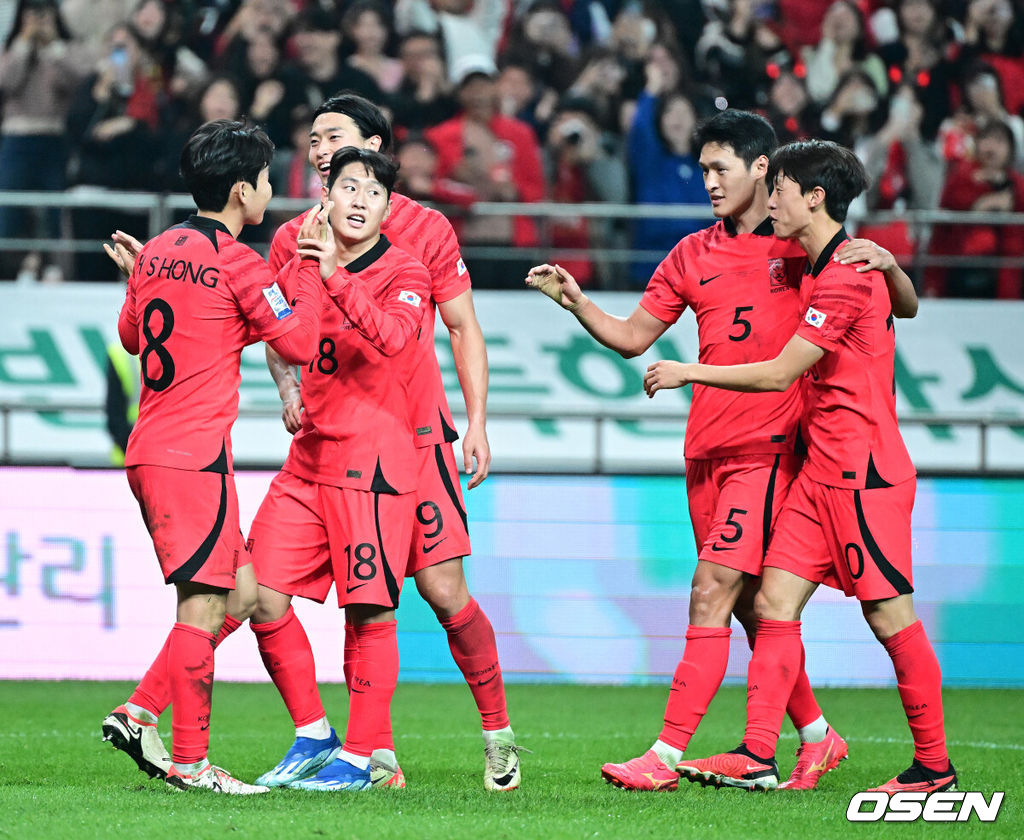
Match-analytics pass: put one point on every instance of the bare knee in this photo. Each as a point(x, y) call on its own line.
point(271, 605)
point(713, 595)
point(443, 586)
point(774, 606)
point(886, 618)
point(242, 599)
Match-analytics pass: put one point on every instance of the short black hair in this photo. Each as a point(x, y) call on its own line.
point(748, 135)
point(384, 169)
point(369, 119)
point(822, 163)
point(218, 155)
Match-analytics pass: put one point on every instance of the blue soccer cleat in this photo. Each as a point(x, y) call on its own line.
point(338, 775)
point(304, 758)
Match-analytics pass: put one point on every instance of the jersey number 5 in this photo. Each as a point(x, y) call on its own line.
point(742, 323)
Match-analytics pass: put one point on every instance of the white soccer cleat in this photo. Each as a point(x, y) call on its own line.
point(501, 762)
point(139, 741)
point(384, 772)
point(212, 778)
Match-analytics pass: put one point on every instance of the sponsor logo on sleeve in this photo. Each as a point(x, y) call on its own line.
point(277, 302)
point(460, 266)
point(410, 298)
point(815, 318)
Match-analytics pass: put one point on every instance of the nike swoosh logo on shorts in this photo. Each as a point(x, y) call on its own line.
point(349, 589)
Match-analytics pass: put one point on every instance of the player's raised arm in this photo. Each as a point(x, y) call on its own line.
point(870, 256)
point(128, 321)
point(774, 375)
point(469, 352)
point(628, 337)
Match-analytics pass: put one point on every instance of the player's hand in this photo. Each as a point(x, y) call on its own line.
point(291, 414)
point(316, 240)
point(124, 251)
point(475, 445)
point(867, 253)
point(666, 374)
point(558, 284)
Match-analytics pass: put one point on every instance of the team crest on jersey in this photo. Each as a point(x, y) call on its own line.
point(778, 280)
point(815, 318)
point(460, 266)
point(410, 298)
point(278, 302)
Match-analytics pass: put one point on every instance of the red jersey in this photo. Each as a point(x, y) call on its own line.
point(744, 291)
point(428, 236)
point(356, 430)
point(195, 298)
point(853, 439)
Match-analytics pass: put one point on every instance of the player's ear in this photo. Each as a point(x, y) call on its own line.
point(387, 210)
point(373, 143)
point(760, 167)
point(816, 197)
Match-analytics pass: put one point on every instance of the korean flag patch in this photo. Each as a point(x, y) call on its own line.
point(410, 298)
point(460, 266)
point(815, 318)
point(277, 302)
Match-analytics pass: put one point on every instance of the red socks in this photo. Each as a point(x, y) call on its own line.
point(373, 684)
point(189, 656)
point(919, 681)
point(230, 625)
point(386, 737)
point(288, 658)
point(773, 672)
point(471, 639)
point(803, 708)
point(697, 678)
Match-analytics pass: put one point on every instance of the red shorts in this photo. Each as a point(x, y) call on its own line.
point(734, 503)
point(307, 536)
point(854, 540)
point(440, 531)
point(192, 517)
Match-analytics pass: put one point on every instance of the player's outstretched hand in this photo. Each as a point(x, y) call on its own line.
point(475, 446)
point(315, 240)
point(869, 254)
point(665, 374)
point(291, 414)
point(123, 252)
point(558, 284)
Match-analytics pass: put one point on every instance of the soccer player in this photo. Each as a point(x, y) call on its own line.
point(195, 298)
point(440, 538)
point(341, 510)
point(742, 284)
point(846, 521)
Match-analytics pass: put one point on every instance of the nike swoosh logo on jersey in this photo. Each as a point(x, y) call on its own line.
point(707, 280)
point(717, 547)
point(428, 548)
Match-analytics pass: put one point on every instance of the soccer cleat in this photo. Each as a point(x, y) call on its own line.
point(384, 773)
point(815, 760)
point(304, 758)
point(140, 741)
point(732, 769)
point(648, 772)
point(501, 763)
point(212, 778)
point(338, 775)
point(920, 779)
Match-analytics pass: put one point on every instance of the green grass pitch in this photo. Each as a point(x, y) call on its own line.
point(58, 780)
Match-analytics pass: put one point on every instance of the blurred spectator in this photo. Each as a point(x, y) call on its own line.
point(981, 101)
point(253, 16)
point(521, 95)
point(38, 74)
point(498, 158)
point(584, 166)
point(157, 27)
point(89, 22)
point(663, 167)
point(733, 54)
point(367, 25)
point(318, 70)
point(994, 33)
point(904, 173)
point(601, 81)
point(417, 175)
point(424, 98)
point(920, 57)
point(843, 47)
point(790, 110)
point(988, 184)
point(855, 109)
point(466, 27)
point(114, 123)
point(543, 41)
point(254, 62)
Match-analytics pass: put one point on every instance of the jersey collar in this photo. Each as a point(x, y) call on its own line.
point(370, 257)
point(207, 227)
point(826, 255)
point(763, 229)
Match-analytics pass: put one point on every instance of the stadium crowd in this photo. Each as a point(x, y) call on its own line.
point(530, 100)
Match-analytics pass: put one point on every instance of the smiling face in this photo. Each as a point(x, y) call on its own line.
point(331, 132)
point(730, 183)
point(790, 209)
point(361, 203)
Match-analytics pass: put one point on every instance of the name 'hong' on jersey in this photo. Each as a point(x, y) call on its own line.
point(744, 292)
